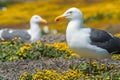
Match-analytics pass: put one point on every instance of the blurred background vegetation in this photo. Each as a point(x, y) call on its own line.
point(100, 14)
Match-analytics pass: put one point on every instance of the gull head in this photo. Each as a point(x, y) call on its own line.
point(37, 19)
point(71, 14)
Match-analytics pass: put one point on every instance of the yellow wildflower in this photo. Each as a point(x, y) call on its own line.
point(24, 54)
point(11, 44)
point(62, 46)
point(119, 78)
point(4, 42)
point(108, 78)
point(12, 58)
point(94, 63)
point(25, 74)
point(38, 42)
point(102, 66)
point(21, 58)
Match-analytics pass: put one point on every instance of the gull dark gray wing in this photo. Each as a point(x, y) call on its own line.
point(9, 34)
point(104, 40)
point(99, 35)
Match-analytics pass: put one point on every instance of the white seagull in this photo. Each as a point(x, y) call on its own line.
point(31, 35)
point(89, 43)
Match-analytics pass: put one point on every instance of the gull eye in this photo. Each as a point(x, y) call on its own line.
point(70, 12)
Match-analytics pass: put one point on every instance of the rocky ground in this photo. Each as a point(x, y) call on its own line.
point(12, 70)
point(52, 38)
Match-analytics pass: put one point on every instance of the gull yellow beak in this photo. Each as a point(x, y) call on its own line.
point(43, 21)
point(59, 18)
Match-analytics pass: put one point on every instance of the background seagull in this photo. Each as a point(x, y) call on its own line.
point(89, 43)
point(31, 35)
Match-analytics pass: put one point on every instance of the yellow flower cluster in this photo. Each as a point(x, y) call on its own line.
point(94, 63)
point(46, 74)
point(116, 56)
point(74, 74)
point(14, 40)
point(25, 74)
point(53, 75)
point(12, 58)
point(4, 42)
point(100, 67)
point(22, 53)
point(38, 42)
point(62, 46)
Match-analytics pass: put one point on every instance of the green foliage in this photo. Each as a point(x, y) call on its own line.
point(9, 49)
point(97, 69)
point(27, 51)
